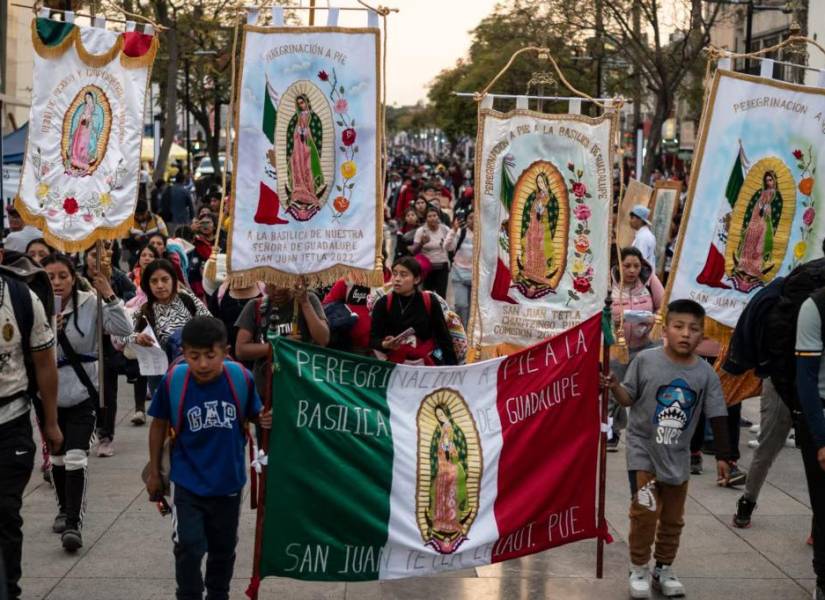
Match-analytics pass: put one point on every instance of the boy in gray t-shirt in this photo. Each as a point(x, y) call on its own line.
point(666, 389)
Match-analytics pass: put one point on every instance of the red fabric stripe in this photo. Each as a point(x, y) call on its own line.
point(136, 44)
point(547, 470)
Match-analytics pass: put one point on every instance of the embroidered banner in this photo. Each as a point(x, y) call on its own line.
point(752, 212)
point(82, 163)
point(381, 471)
point(307, 198)
point(544, 191)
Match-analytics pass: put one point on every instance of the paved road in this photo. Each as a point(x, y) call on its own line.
point(128, 553)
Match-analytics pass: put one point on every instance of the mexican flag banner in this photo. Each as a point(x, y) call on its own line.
point(382, 471)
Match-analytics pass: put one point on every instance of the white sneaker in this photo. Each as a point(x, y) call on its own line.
point(639, 581)
point(666, 582)
point(753, 444)
point(105, 448)
point(139, 418)
point(755, 429)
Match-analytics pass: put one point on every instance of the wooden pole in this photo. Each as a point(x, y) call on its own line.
point(100, 363)
point(252, 592)
point(311, 13)
point(605, 395)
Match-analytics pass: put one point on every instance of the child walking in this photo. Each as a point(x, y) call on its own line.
point(206, 401)
point(666, 389)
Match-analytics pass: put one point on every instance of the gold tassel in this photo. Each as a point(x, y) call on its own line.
point(97, 60)
point(210, 270)
point(619, 351)
point(658, 326)
point(146, 60)
point(44, 51)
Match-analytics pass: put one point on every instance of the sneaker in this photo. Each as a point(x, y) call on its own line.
point(71, 540)
point(106, 448)
point(737, 476)
point(743, 422)
point(666, 582)
point(696, 464)
point(139, 418)
point(613, 444)
point(755, 429)
point(753, 444)
point(790, 441)
point(639, 581)
point(744, 510)
point(59, 525)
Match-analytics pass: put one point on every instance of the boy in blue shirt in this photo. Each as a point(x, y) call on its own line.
point(206, 402)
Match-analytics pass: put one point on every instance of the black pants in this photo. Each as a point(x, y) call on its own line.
point(16, 463)
point(734, 417)
point(437, 279)
point(204, 525)
point(69, 465)
point(816, 489)
point(108, 412)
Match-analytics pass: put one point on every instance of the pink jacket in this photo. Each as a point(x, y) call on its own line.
point(647, 295)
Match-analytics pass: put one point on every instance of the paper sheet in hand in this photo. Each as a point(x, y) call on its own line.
point(638, 316)
point(151, 359)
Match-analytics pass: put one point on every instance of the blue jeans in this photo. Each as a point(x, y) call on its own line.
point(462, 285)
point(204, 525)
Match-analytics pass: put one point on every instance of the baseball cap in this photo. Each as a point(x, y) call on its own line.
point(641, 211)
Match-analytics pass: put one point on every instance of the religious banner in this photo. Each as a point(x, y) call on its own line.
point(663, 212)
point(82, 162)
point(543, 202)
point(636, 193)
point(307, 198)
point(383, 471)
point(753, 209)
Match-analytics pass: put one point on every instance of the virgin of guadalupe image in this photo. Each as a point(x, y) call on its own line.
point(86, 146)
point(448, 505)
point(305, 179)
point(538, 230)
point(753, 256)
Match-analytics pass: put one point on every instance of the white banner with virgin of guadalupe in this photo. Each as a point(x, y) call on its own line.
point(543, 202)
point(82, 162)
point(307, 200)
point(753, 208)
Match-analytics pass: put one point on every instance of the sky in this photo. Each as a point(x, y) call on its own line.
point(423, 38)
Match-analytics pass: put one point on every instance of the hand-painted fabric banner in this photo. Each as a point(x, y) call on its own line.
point(544, 193)
point(753, 209)
point(307, 198)
point(82, 163)
point(385, 471)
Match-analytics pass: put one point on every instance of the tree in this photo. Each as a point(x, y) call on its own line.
point(663, 41)
point(512, 26)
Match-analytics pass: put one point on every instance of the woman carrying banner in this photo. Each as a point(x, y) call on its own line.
point(637, 296)
point(77, 360)
point(408, 315)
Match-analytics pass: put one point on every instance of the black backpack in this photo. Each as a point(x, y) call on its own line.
point(765, 335)
point(21, 274)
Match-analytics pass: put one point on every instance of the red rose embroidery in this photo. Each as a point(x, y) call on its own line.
point(797, 154)
point(348, 136)
point(322, 75)
point(70, 205)
point(581, 284)
point(579, 189)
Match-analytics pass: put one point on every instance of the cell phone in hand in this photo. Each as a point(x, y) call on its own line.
point(403, 336)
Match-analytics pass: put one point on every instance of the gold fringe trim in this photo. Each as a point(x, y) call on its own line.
point(44, 51)
point(146, 60)
point(97, 60)
point(64, 245)
point(314, 280)
point(716, 331)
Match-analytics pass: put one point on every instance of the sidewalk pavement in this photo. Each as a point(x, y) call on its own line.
point(127, 553)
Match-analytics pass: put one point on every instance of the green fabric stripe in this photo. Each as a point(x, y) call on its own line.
point(329, 477)
point(735, 181)
point(52, 32)
point(269, 116)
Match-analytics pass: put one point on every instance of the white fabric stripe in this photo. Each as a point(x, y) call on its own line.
point(406, 554)
point(174, 512)
point(97, 40)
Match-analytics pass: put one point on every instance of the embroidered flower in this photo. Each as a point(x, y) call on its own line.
point(341, 106)
point(808, 216)
point(341, 204)
point(578, 266)
point(797, 154)
point(105, 199)
point(42, 190)
point(800, 249)
point(52, 212)
point(322, 75)
point(70, 205)
point(582, 244)
point(581, 284)
point(582, 212)
point(579, 189)
point(348, 136)
point(806, 186)
point(88, 217)
point(348, 169)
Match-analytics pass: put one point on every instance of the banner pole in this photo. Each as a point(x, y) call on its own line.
point(608, 304)
point(254, 584)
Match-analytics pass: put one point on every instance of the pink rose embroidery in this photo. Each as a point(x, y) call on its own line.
point(808, 216)
point(341, 106)
point(582, 212)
